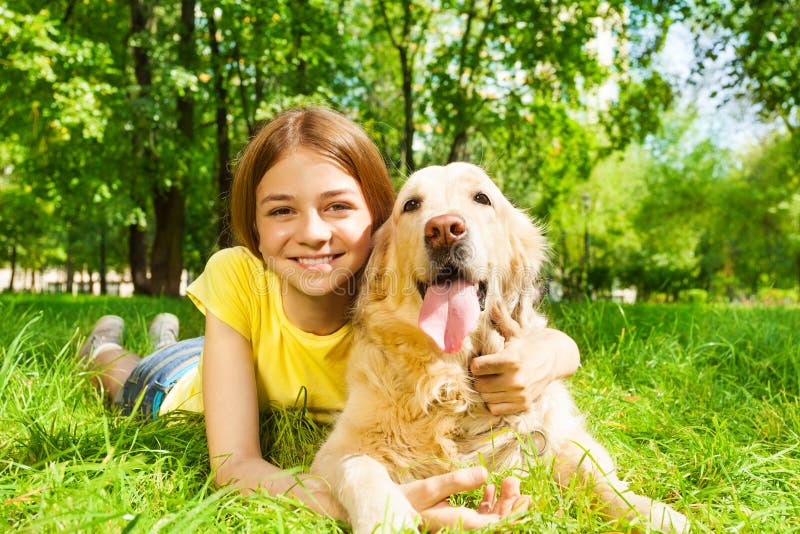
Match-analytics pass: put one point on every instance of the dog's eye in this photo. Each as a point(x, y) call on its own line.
point(482, 198)
point(411, 204)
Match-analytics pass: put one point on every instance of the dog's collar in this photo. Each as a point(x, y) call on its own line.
point(539, 437)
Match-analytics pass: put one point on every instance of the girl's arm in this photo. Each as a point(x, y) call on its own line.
point(230, 402)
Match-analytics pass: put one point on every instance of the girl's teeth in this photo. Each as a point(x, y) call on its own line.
point(315, 261)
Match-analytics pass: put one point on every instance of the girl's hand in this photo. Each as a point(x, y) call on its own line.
point(429, 498)
point(509, 381)
point(315, 493)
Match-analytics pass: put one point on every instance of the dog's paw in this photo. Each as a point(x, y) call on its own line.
point(395, 516)
point(665, 519)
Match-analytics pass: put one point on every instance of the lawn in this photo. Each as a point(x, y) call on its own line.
point(698, 405)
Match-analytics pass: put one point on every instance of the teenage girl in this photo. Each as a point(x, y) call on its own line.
point(309, 190)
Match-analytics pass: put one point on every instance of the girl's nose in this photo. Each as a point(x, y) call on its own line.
point(314, 229)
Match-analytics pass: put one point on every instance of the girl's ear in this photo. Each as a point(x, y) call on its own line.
point(529, 251)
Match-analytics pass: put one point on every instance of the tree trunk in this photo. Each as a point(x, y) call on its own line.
point(458, 148)
point(166, 263)
point(797, 262)
point(299, 77)
point(137, 255)
point(564, 260)
point(224, 175)
point(244, 99)
point(468, 67)
point(103, 278)
point(402, 44)
point(143, 151)
point(70, 272)
point(13, 266)
point(68, 11)
point(137, 258)
point(408, 110)
point(166, 260)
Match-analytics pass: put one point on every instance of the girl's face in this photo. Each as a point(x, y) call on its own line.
point(313, 223)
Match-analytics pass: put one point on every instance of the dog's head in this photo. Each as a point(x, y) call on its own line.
point(453, 248)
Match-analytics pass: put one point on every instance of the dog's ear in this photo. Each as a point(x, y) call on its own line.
point(376, 280)
point(529, 251)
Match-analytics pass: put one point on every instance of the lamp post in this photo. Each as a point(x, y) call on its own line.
point(587, 257)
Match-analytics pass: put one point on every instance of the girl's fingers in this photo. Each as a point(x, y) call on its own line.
point(425, 493)
point(509, 493)
point(488, 501)
point(522, 503)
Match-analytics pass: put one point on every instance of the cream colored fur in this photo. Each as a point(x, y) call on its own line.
point(411, 412)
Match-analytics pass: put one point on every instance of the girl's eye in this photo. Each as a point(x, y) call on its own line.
point(339, 206)
point(279, 211)
point(482, 198)
point(411, 204)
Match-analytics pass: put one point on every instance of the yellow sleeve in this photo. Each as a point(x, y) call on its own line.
point(228, 288)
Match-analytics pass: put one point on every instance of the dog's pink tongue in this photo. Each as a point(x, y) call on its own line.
point(449, 312)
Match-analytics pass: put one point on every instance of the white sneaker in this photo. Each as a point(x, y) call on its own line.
point(107, 330)
point(164, 330)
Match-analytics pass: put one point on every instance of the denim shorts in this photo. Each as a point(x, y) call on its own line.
point(156, 374)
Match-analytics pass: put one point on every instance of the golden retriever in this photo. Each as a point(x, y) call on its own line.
point(453, 250)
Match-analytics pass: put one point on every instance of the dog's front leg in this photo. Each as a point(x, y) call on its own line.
point(372, 498)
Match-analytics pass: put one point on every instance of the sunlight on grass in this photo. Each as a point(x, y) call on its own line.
point(698, 406)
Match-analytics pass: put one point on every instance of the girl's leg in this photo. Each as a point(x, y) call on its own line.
point(114, 366)
point(102, 352)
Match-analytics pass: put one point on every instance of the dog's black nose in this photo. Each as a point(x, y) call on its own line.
point(444, 230)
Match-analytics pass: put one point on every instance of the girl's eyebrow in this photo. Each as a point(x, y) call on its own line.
point(283, 197)
point(276, 197)
point(337, 192)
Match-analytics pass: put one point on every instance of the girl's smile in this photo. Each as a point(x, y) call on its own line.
point(319, 263)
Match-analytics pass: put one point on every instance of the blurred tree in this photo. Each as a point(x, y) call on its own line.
point(223, 142)
point(406, 24)
point(759, 42)
point(122, 122)
point(259, 58)
point(757, 236)
point(648, 213)
point(673, 215)
point(61, 89)
point(169, 197)
point(23, 222)
point(602, 212)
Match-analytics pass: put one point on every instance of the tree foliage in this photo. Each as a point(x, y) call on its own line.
point(674, 214)
point(122, 121)
point(757, 236)
point(764, 38)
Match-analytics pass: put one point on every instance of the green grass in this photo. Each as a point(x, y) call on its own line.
point(698, 406)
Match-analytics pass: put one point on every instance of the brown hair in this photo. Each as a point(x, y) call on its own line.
point(324, 131)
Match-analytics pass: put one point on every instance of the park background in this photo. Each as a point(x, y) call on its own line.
point(657, 140)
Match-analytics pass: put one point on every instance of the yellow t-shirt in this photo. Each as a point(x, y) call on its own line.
point(238, 290)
